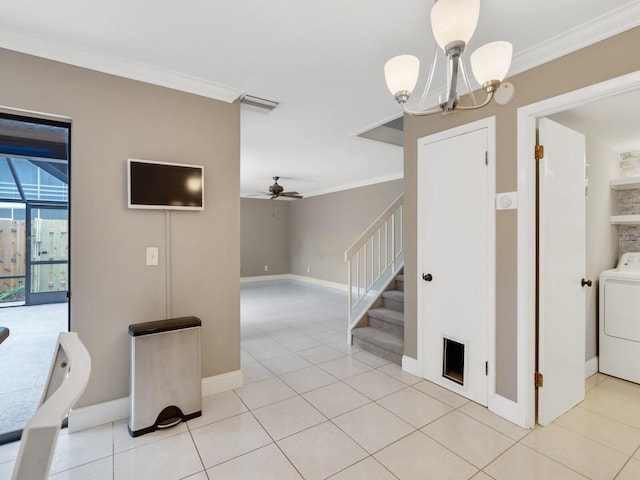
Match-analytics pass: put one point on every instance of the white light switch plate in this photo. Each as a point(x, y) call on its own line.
point(152, 256)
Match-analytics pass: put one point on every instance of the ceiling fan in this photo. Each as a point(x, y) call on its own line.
point(276, 190)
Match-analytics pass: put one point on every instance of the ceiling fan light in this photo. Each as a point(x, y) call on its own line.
point(401, 73)
point(454, 20)
point(491, 62)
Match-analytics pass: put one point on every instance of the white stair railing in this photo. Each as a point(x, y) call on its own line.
point(373, 260)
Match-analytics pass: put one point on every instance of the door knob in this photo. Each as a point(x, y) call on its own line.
point(427, 277)
point(588, 283)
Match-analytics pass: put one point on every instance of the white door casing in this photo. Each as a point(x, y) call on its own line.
point(456, 245)
point(561, 268)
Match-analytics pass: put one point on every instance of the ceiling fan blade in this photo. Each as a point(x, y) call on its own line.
point(274, 196)
point(291, 195)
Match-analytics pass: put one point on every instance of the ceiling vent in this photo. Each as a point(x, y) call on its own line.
point(391, 132)
point(258, 102)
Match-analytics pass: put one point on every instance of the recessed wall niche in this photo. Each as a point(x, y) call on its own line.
point(629, 204)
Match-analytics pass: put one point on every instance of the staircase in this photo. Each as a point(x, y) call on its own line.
point(375, 263)
point(381, 330)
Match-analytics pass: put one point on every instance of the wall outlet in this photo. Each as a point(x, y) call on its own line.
point(308, 269)
point(266, 268)
point(152, 256)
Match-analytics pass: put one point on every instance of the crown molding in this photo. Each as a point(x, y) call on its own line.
point(93, 60)
point(340, 188)
point(588, 33)
point(358, 184)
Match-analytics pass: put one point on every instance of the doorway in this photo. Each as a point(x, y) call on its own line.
point(34, 259)
point(456, 255)
point(528, 118)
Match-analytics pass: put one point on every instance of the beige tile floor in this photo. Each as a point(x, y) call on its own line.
point(312, 408)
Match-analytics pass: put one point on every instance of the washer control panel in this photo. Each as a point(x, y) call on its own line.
point(629, 261)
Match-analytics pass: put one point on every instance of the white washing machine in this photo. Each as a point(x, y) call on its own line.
point(620, 319)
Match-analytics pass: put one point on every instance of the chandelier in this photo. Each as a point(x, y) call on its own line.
point(453, 23)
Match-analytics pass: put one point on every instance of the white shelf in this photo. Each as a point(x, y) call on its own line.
point(625, 183)
point(625, 219)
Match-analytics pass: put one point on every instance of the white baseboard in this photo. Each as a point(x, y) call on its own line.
point(507, 409)
point(322, 283)
point(410, 365)
point(498, 404)
point(93, 415)
point(591, 367)
point(98, 414)
point(221, 383)
point(301, 278)
point(264, 278)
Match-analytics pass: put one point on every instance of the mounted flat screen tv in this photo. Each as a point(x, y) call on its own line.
point(165, 186)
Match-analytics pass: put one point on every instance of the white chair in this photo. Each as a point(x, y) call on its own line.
point(68, 377)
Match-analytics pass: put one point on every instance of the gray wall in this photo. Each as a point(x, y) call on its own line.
point(559, 76)
point(601, 236)
point(112, 119)
point(321, 228)
point(264, 237)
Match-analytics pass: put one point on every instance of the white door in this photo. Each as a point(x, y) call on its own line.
point(561, 259)
point(454, 216)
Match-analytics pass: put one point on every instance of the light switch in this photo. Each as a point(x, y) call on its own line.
point(152, 256)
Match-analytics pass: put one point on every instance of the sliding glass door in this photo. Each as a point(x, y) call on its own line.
point(47, 254)
point(34, 260)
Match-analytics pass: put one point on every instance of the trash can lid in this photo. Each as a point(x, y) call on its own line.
point(159, 326)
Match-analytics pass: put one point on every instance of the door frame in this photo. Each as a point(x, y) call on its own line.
point(493, 402)
point(527, 118)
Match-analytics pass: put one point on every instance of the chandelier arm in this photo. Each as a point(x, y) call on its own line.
point(465, 78)
point(427, 87)
point(475, 107)
point(421, 113)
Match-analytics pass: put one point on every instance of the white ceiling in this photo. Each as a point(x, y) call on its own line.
point(612, 121)
point(322, 60)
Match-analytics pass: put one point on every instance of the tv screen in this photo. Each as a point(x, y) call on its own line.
point(166, 186)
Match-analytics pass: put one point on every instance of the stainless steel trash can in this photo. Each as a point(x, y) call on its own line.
point(166, 381)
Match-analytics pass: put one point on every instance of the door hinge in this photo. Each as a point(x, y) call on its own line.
point(486, 158)
point(486, 368)
point(538, 380)
point(539, 153)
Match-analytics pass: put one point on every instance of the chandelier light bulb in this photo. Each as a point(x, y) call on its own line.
point(401, 73)
point(454, 20)
point(491, 62)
